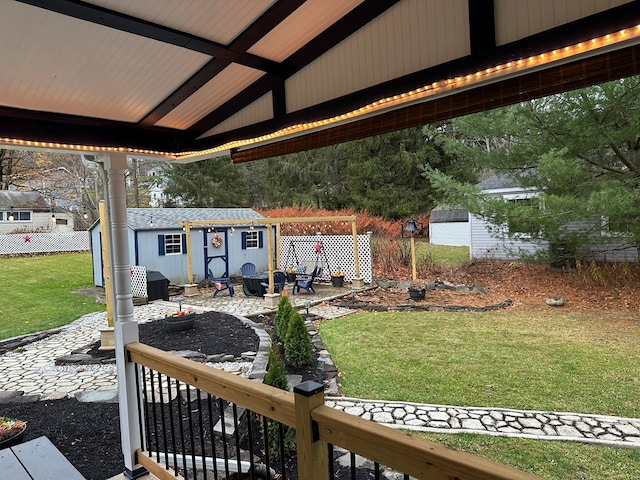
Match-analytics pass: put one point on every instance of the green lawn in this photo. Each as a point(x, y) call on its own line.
point(37, 292)
point(542, 360)
point(427, 253)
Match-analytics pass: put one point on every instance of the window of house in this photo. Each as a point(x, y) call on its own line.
point(18, 216)
point(172, 244)
point(616, 226)
point(61, 221)
point(252, 239)
point(523, 222)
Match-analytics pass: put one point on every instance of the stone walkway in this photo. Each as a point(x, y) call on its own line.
point(29, 374)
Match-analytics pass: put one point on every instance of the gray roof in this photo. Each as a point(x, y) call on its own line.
point(445, 214)
point(20, 199)
point(498, 181)
point(163, 218)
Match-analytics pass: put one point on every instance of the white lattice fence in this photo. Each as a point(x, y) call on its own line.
point(17, 243)
point(139, 281)
point(337, 254)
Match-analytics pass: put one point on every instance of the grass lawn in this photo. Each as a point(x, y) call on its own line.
point(548, 459)
point(427, 253)
point(37, 292)
point(542, 360)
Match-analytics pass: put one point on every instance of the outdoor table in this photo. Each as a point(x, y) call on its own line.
point(36, 459)
point(252, 284)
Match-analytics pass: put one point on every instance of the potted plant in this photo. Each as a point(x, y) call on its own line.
point(417, 290)
point(177, 320)
point(337, 279)
point(11, 431)
point(291, 275)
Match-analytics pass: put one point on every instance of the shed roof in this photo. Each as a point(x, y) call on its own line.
point(257, 78)
point(446, 214)
point(22, 199)
point(166, 218)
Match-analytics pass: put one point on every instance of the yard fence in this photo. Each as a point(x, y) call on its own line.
point(27, 243)
point(335, 255)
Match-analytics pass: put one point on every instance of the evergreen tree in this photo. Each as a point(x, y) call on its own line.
point(277, 377)
point(281, 318)
point(580, 151)
point(298, 349)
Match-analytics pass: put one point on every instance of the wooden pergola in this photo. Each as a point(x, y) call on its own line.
point(270, 222)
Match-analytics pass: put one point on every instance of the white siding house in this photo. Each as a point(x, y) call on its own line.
point(449, 226)
point(488, 240)
point(29, 211)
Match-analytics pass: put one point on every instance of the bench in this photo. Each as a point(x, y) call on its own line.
point(36, 459)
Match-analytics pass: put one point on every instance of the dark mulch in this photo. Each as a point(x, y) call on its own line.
point(88, 434)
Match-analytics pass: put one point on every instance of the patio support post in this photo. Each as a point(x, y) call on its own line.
point(357, 281)
point(313, 457)
point(126, 327)
point(270, 298)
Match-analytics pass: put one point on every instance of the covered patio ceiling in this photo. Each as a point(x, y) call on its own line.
point(256, 78)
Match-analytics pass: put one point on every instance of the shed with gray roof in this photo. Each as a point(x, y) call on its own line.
point(157, 241)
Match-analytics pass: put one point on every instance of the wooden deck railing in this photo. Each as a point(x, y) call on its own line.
point(317, 425)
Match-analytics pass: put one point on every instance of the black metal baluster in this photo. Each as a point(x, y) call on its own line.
point(352, 456)
point(281, 446)
point(332, 472)
point(172, 427)
point(237, 430)
point(250, 415)
point(192, 441)
point(225, 452)
point(163, 420)
point(376, 471)
point(213, 436)
point(265, 428)
point(155, 416)
point(182, 444)
point(201, 425)
point(141, 415)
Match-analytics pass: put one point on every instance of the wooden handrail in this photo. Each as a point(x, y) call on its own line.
point(409, 454)
point(415, 456)
point(257, 397)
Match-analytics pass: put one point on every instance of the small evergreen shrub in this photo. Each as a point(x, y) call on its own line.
point(298, 349)
point(281, 318)
point(277, 377)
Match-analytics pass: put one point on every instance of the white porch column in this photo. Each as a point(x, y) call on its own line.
point(126, 328)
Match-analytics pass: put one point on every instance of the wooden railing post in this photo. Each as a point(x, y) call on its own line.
point(313, 463)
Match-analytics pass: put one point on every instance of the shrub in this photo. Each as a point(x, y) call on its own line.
point(297, 346)
point(277, 377)
point(281, 318)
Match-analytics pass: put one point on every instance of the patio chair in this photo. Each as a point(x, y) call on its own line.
point(220, 284)
point(306, 281)
point(279, 282)
point(248, 269)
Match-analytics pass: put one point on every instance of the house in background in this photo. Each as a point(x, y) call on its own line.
point(157, 242)
point(29, 211)
point(449, 226)
point(493, 241)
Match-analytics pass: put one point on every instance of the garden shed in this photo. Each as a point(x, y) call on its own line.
point(449, 226)
point(157, 241)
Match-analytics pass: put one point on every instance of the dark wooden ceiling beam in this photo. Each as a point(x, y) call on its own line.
point(267, 21)
point(136, 26)
point(482, 25)
point(325, 41)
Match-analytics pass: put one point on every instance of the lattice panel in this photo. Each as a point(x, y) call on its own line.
point(139, 281)
point(338, 250)
point(18, 243)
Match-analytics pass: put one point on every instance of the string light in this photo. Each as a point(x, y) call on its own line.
point(441, 86)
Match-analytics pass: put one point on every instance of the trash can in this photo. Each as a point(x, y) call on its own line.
point(157, 286)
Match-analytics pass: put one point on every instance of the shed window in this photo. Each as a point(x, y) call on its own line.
point(172, 244)
point(252, 239)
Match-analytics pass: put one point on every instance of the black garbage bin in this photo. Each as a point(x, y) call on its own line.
point(157, 286)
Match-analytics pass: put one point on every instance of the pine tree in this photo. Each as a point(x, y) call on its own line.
point(281, 318)
point(297, 346)
point(277, 377)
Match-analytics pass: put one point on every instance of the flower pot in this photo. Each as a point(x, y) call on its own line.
point(417, 293)
point(14, 439)
point(337, 281)
point(291, 277)
point(177, 323)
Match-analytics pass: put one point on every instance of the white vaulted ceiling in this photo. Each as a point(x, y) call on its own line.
point(256, 78)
